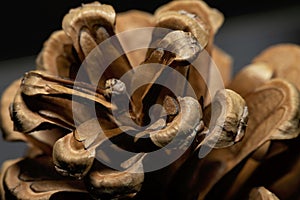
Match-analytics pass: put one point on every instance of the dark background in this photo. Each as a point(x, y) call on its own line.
point(250, 27)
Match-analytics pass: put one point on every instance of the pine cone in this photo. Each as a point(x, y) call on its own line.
point(106, 120)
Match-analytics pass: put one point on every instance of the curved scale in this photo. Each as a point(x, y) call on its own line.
point(35, 178)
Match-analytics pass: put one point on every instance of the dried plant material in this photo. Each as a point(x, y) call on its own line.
point(71, 158)
point(183, 21)
point(223, 61)
point(253, 75)
point(176, 46)
point(190, 22)
point(228, 114)
point(284, 60)
point(278, 61)
point(211, 16)
point(266, 171)
point(37, 179)
point(131, 20)
point(287, 186)
point(48, 120)
point(6, 164)
point(285, 99)
point(243, 176)
point(37, 83)
point(108, 183)
point(228, 119)
point(88, 26)
point(95, 131)
point(90, 19)
point(73, 118)
point(253, 164)
point(186, 47)
point(262, 193)
point(182, 129)
point(282, 117)
point(33, 126)
point(199, 9)
point(7, 126)
point(114, 87)
point(171, 106)
point(88, 132)
point(24, 119)
point(40, 87)
point(58, 56)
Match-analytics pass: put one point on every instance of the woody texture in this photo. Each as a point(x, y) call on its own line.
point(76, 123)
